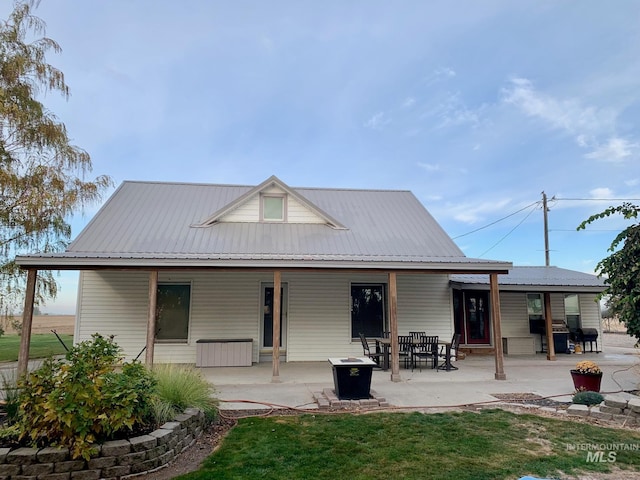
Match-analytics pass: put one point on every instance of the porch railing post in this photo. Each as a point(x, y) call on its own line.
point(497, 326)
point(151, 317)
point(27, 320)
point(548, 324)
point(277, 308)
point(393, 327)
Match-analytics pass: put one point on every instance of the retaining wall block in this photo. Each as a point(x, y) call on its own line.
point(171, 426)
point(37, 469)
point(616, 401)
point(3, 455)
point(69, 466)
point(115, 448)
point(52, 454)
point(117, 471)
point(56, 476)
point(143, 442)
point(596, 412)
point(101, 462)
point(161, 435)
point(131, 458)
point(578, 410)
point(22, 456)
point(634, 405)
point(86, 475)
point(9, 470)
point(611, 410)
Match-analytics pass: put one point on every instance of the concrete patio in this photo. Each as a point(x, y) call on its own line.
point(239, 387)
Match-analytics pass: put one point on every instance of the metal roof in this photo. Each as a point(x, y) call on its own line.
point(522, 278)
point(160, 224)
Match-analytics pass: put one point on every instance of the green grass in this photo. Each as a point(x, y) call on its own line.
point(42, 346)
point(489, 445)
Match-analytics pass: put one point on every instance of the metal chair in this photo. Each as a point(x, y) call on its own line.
point(453, 353)
point(375, 356)
point(405, 349)
point(426, 349)
point(417, 335)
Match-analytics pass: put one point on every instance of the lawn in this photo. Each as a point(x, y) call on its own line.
point(491, 445)
point(42, 346)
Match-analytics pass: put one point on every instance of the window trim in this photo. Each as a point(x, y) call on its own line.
point(263, 199)
point(385, 305)
point(179, 341)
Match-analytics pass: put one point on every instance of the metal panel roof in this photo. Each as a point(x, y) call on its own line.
point(143, 222)
point(525, 278)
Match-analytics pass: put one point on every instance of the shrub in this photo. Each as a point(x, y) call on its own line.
point(179, 387)
point(587, 398)
point(85, 399)
point(9, 386)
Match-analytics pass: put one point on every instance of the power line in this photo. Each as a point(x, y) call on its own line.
point(510, 231)
point(497, 221)
point(599, 199)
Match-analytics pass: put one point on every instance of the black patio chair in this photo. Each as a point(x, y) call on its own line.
point(426, 349)
point(405, 349)
point(417, 335)
point(375, 356)
point(453, 352)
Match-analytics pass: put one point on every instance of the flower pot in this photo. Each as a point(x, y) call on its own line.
point(586, 381)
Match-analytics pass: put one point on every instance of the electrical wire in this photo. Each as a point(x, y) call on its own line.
point(497, 221)
point(508, 233)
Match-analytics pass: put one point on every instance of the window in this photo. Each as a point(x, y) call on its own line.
point(367, 310)
point(572, 312)
point(534, 306)
point(172, 313)
point(273, 208)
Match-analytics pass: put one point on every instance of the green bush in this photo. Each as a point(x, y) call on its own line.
point(9, 386)
point(587, 398)
point(179, 387)
point(85, 399)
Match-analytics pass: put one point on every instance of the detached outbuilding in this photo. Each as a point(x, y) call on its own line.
point(271, 273)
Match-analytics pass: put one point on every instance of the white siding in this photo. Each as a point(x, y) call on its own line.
point(227, 305)
point(249, 211)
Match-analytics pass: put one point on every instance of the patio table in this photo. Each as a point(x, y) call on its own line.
point(384, 345)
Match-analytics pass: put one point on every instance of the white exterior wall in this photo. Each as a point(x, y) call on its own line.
point(515, 319)
point(227, 305)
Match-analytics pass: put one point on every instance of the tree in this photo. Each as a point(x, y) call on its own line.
point(621, 269)
point(42, 174)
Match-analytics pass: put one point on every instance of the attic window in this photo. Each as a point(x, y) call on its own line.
point(273, 208)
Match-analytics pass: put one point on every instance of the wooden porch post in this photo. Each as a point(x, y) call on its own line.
point(27, 320)
point(548, 325)
point(393, 327)
point(151, 317)
point(277, 308)
point(497, 327)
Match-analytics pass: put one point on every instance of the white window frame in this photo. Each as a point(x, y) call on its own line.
point(263, 209)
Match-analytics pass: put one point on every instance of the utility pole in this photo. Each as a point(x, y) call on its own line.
point(546, 229)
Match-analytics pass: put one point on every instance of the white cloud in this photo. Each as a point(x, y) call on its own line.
point(632, 182)
point(615, 150)
point(408, 102)
point(602, 192)
point(587, 124)
point(472, 213)
point(430, 167)
point(377, 121)
point(454, 112)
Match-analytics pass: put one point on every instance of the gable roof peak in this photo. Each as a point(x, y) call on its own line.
point(268, 183)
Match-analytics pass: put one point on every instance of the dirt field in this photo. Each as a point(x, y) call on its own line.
point(45, 323)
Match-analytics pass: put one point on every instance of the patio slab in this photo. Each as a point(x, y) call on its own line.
point(241, 388)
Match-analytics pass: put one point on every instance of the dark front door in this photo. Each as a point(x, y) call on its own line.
point(476, 309)
point(267, 316)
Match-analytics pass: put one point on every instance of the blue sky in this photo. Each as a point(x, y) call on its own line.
point(475, 106)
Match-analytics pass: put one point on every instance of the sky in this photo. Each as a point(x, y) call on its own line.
point(477, 107)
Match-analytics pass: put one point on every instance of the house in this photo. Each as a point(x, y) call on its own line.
point(179, 269)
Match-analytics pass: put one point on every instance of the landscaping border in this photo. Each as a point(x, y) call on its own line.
point(116, 459)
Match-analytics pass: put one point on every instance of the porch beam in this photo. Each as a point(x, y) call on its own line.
point(277, 308)
point(497, 326)
point(393, 327)
point(548, 324)
point(151, 318)
point(27, 321)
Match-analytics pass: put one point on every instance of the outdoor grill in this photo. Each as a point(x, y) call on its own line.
point(585, 335)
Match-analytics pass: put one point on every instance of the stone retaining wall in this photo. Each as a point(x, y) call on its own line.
point(114, 460)
point(622, 408)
